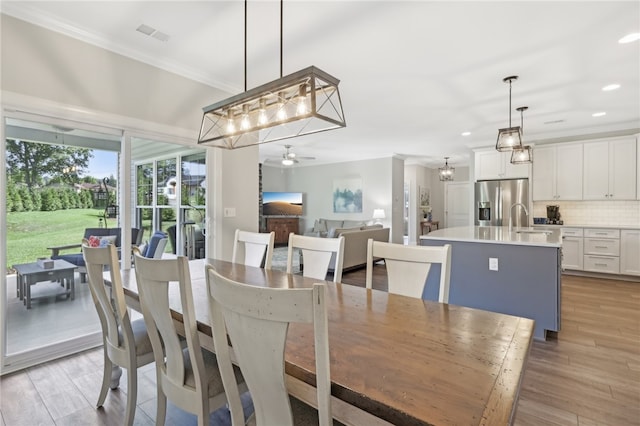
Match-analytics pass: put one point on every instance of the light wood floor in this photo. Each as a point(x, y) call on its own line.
point(588, 374)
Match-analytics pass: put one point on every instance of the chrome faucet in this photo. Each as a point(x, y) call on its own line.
point(526, 212)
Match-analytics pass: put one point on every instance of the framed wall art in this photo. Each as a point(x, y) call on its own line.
point(347, 195)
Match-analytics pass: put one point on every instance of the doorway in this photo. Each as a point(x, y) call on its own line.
point(54, 181)
point(457, 202)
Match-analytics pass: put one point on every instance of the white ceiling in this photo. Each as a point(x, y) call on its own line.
point(414, 75)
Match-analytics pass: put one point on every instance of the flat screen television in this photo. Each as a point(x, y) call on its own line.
point(282, 203)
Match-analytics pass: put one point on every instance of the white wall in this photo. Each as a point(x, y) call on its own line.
point(47, 73)
point(380, 177)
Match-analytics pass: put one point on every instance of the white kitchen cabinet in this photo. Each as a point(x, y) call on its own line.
point(610, 170)
point(557, 172)
point(572, 249)
point(630, 251)
point(492, 164)
point(602, 250)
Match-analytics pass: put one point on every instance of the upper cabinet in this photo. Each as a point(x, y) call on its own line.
point(494, 164)
point(557, 172)
point(610, 170)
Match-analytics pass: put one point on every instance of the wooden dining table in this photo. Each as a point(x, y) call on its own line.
point(394, 359)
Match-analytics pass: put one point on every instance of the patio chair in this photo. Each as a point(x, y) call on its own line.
point(111, 235)
point(156, 245)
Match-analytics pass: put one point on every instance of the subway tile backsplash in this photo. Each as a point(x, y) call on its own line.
point(611, 213)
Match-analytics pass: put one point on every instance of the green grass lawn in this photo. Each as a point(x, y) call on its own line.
point(30, 233)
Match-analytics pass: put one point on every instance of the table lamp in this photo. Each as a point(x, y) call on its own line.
point(378, 214)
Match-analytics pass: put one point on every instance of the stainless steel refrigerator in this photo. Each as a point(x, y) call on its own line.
point(496, 199)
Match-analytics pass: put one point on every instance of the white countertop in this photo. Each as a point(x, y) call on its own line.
point(498, 235)
point(601, 226)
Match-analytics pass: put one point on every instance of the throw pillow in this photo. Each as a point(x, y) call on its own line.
point(106, 240)
point(94, 241)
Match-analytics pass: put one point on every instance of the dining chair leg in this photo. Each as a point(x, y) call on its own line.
point(203, 417)
point(161, 411)
point(106, 379)
point(132, 392)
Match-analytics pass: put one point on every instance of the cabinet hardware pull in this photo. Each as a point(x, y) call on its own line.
point(601, 264)
point(603, 247)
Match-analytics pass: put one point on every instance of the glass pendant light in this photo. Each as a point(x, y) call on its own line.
point(523, 155)
point(446, 173)
point(510, 137)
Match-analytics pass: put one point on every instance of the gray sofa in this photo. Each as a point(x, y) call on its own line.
point(355, 245)
point(330, 228)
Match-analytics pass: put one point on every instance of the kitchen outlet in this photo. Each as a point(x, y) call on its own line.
point(493, 263)
point(229, 212)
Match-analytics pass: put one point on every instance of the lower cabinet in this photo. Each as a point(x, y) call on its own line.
point(282, 226)
point(611, 251)
point(630, 251)
point(572, 248)
point(602, 250)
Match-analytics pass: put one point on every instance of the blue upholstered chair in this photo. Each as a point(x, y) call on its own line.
point(156, 245)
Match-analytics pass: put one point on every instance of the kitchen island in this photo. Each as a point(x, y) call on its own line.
point(514, 272)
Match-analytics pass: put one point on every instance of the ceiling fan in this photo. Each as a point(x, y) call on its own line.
point(290, 158)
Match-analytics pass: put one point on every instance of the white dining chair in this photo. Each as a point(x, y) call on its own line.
point(257, 248)
point(256, 320)
point(317, 254)
point(125, 342)
point(408, 267)
point(189, 376)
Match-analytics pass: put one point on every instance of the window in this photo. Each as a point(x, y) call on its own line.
point(173, 202)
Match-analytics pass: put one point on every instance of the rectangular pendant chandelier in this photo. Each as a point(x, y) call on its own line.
point(522, 155)
point(509, 138)
point(302, 103)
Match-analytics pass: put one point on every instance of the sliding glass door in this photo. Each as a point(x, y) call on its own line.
point(55, 179)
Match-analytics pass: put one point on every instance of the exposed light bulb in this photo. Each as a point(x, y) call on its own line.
point(282, 112)
point(301, 108)
point(231, 125)
point(244, 122)
point(262, 113)
point(287, 162)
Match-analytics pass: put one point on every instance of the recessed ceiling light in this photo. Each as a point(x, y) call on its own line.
point(610, 87)
point(466, 133)
point(630, 38)
point(598, 114)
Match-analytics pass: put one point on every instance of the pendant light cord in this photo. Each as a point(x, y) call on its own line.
point(281, 21)
point(245, 45)
point(509, 103)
